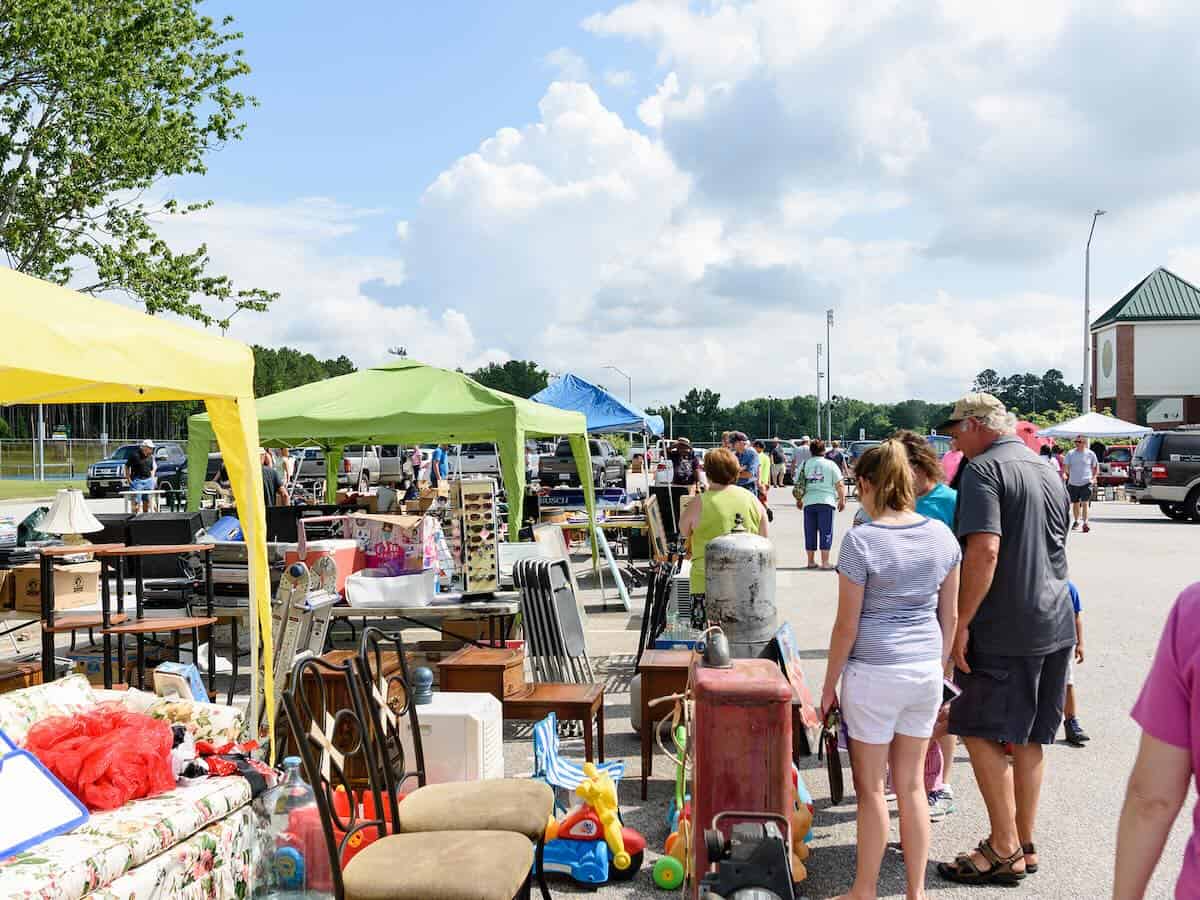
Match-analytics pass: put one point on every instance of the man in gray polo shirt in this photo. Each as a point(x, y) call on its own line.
point(1015, 633)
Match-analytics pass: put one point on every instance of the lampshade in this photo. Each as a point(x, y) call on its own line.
point(69, 515)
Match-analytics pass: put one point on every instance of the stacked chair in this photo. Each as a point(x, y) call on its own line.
point(658, 598)
point(555, 643)
point(476, 840)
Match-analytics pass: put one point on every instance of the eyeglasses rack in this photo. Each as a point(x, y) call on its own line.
point(474, 535)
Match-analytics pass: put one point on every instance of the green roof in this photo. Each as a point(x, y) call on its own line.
point(1160, 295)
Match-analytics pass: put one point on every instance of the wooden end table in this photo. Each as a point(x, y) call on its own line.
point(664, 672)
point(569, 702)
point(52, 626)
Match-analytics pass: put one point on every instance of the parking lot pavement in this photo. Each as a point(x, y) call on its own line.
point(1129, 570)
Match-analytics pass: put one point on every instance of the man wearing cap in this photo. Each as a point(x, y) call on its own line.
point(1016, 630)
point(140, 470)
point(685, 470)
point(747, 458)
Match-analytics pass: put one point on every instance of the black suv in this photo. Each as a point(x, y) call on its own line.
point(1166, 470)
point(108, 475)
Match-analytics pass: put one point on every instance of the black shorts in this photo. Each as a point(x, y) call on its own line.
point(1079, 493)
point(1017, 699)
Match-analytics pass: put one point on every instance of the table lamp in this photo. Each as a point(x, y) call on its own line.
point(70, 518)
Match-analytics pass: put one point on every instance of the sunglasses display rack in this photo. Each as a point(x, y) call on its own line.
point(474, 535)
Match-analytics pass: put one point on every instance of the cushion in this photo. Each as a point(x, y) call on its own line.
point(458, 865)
point(205, 721)
point(19, 710)
point(502, 804)
point(111, 843)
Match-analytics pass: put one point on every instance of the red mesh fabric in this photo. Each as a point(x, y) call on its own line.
point(106, 756)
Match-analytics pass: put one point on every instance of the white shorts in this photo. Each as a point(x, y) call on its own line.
point(880, 702)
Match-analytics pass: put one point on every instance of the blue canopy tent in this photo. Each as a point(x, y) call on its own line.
point(604, 412)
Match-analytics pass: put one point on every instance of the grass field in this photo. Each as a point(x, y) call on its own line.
point(14, 489)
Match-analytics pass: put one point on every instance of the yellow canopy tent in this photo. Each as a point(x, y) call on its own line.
point(64, 347)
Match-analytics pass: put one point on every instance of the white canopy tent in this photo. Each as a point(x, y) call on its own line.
point(1094, 425)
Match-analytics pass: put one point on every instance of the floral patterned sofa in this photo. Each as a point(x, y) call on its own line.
point(192, 842)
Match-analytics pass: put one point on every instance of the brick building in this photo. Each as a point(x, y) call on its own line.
point(1147, 345)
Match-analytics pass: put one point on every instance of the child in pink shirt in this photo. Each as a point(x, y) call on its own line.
point(1169, 712)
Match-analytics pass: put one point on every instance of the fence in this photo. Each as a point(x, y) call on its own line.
point(64, 459)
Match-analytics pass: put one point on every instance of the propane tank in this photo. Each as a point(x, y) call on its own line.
point(739, 589)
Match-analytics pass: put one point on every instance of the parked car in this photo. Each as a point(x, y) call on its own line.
point(857, 449)
point(1114, 468)
point(483, 459)
point(608, 466)
point(1165, 469)
point(939, 443)
point(107, 476)
point(356, 458)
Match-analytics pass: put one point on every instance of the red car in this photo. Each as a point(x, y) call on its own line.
point(1114, 468)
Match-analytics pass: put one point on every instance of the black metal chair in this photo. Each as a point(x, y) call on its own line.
point(379, 860)
point(520, 805)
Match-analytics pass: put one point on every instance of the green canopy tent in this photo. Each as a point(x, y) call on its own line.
point(404, 402)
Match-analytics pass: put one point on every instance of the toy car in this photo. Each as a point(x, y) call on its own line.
point(589, 843)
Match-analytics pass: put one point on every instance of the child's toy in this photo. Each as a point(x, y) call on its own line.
point(590, 844)
point(670, 870)
point(802, 819)
point(550, 766)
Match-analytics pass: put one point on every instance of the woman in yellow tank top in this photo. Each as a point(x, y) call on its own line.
point(715, 512)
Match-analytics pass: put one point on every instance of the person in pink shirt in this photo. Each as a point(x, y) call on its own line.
point(1169, 712)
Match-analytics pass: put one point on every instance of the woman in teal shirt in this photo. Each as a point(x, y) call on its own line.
point(823, 490)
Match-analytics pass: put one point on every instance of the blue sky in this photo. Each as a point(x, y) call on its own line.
point(586, 183)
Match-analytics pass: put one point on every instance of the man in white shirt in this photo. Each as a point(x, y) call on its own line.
point(1080, 470)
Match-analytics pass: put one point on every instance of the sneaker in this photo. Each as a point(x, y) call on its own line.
point(1074, 526)
point(1076, 736)
point(1086, 527)
point(941, 804)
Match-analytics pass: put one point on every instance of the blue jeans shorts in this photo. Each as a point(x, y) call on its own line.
point(139, 485)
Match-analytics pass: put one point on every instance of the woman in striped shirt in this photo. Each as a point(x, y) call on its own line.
point(898, 586)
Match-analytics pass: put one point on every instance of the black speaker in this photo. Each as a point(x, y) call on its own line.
point(164, 528)
point(639, 544)
point(116, 529)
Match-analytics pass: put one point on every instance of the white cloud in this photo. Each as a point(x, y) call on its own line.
point(620, 78)
point(567, 64)
point(402, 230)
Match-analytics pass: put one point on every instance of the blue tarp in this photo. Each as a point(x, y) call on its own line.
point(604, 412)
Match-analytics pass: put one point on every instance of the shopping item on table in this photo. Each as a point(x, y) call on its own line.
point(400, 544)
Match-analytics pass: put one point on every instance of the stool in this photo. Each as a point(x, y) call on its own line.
point(569, 702)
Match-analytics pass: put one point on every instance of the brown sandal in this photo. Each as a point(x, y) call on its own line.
point(964, 871)
point(1029, 850)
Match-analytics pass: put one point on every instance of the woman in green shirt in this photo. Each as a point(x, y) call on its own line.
point(714, 513)
point(822, 491)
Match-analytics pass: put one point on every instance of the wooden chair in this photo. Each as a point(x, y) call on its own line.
point(520, 805)
point(457, 865)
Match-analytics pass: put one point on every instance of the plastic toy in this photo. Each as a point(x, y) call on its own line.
point(589, 843)
point(671, 869)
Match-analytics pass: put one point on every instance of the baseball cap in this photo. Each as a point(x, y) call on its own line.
point(972, 406)
point(148, 443)
point(738, 436)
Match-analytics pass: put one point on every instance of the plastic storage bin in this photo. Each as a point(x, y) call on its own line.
point(378, 588)
point(346, 556)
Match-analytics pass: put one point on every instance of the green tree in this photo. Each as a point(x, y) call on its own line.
point(282, 368)
point(988, 381)
point(100, 100)
point(520, 377)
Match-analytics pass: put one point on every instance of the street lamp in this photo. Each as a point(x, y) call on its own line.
point(820, 375)
point(627, 378)
point(767, 436)
point(829, 371)
point(1085, 404)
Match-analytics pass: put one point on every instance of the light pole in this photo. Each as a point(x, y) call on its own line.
point(820, 375)
point(829, 371)
point(1085, 400)
point(627, 378)
point(767, 436)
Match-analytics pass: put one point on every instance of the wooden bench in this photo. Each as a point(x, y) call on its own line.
point(570, 702)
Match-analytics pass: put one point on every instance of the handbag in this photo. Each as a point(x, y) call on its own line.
point(800, 483)
point(830, 731)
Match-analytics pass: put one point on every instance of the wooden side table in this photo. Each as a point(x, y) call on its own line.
point(664, 672)
point(487, 670)
point(74, 621)
point(570, 702)
point(139, 627)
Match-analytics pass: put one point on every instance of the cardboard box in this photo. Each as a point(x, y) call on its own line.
point(91, 666)
point(6, 589)
point(75, 585)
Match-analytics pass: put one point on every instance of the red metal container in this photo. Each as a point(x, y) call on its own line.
point(741, 747)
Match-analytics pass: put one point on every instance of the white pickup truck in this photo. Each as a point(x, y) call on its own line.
point(482, 459)
point(357, 460)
